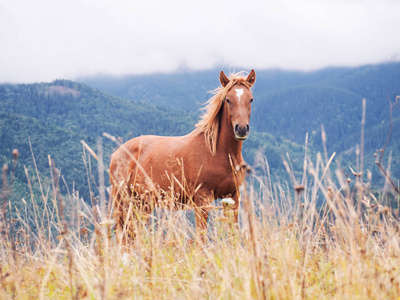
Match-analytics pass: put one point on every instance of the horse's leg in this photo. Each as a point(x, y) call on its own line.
point(118, 214)
point(235, 207)
point(201, 216)
point(118, 229)
point(123, 226)
point(122, 212)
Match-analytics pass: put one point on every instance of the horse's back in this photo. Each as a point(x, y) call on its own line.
point(145, 150)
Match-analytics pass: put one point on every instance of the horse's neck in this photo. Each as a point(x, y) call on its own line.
point(227, 142)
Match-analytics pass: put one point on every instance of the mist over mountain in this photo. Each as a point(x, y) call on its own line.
point(188, 90)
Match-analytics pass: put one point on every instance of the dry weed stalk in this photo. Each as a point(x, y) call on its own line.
point(63, 237)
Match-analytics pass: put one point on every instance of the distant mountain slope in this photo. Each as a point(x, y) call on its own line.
point(188, 91)
point(337, 90)
point(288, 104)
point(63, 145)
point(335, 102)
point(55, 116)
point(375, 83)
point(295, 111)
point(83, 109)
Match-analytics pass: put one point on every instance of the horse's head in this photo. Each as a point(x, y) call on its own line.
point(238, 104)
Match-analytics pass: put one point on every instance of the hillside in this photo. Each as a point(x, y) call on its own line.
point(80, 108)
point(338, 91)
point(290, 104)
point(55, 117)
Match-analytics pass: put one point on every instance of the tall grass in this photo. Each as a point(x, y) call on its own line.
point(320, 236)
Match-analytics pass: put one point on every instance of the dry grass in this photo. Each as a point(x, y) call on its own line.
point(288, 246)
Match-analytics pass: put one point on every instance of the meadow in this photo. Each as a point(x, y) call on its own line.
point(321, 235)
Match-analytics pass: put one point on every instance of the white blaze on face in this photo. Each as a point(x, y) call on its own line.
point(239, 92)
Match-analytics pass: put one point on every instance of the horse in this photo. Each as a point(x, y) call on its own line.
point(188, 171)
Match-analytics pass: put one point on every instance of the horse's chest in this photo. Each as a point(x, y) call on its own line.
point(223, 179)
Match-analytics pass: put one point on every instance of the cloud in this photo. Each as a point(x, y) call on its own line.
point(44, 40)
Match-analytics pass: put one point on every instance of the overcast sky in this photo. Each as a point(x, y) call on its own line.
point(43, 40)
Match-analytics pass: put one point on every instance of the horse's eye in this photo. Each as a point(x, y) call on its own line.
point(251, 100)
point(227, 100)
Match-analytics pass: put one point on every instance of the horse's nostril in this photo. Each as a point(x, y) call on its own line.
point(241, 132)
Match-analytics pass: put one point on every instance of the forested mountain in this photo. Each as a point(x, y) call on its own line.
point(283, 99)
point(289, 104)
point(82, 109)
point(55, 117)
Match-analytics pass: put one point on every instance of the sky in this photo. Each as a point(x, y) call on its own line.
point(43, 40)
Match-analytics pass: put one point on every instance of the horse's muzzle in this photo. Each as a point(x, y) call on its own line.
point(241, 132)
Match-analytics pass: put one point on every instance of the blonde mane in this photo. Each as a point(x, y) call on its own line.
point(209, 122)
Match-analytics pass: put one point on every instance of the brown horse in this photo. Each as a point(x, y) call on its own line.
point(187, 171)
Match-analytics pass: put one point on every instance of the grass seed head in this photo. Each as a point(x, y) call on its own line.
point(299, 188)
point(15, 154)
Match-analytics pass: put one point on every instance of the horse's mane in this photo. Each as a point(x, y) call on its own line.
point(209, 122)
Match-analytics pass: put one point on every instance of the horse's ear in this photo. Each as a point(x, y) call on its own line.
point(223, 79)
point(251, 78)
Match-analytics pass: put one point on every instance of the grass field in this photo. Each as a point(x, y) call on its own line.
point(311, 238)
